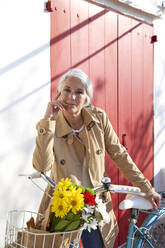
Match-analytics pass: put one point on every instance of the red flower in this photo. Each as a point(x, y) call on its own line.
point(89, 199)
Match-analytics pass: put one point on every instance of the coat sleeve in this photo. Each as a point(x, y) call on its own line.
point(122, 159)
point(43, 156)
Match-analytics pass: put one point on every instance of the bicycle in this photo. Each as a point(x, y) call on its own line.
point(151, 234)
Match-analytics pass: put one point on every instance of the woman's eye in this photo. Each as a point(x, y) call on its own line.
point(76, 92)
point(79, 92)
point(67, 90)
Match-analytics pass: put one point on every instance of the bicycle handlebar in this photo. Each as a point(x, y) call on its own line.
point(120, 189)
point(31, 176)
point(105, 187)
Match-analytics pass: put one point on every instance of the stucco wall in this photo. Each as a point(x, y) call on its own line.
point(25, 90)
point(159, 105)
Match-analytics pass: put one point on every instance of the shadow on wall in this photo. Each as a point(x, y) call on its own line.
point(19, 100)
point(142, 144)
point(17, 144)
point(61, 36)
point(47, 45)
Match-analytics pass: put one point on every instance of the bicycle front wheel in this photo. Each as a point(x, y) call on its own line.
point(155, 233)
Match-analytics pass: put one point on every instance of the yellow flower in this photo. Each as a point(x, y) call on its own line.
point(60, 194)
point(66, 198)
point(71, 189)
point(64, 183)
point(60, 202)
point(60, 208)
point(76, 201)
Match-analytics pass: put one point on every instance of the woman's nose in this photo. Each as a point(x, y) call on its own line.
point(73, 96)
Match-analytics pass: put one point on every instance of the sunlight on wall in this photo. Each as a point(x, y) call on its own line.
point(159, 106)
point(25, 91)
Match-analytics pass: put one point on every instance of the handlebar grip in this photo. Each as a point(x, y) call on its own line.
point(31, 176)
point(120, 189)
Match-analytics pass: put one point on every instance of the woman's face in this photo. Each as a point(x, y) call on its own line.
point(73, 94)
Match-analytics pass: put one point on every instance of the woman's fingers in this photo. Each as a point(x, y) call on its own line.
point(57, 96)
point(155, 200)
point(57, 104)
point(54, 106)
point(58, 101)
point(52, 109)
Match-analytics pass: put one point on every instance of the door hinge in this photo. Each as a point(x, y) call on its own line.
point(154, 38)
point(47, 6)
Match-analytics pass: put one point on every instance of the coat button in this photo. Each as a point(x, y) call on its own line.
point(62, 161)
point(99, 151)
point(42, 131)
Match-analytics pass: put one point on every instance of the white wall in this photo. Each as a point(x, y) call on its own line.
point(24, 92)
point(159, 105)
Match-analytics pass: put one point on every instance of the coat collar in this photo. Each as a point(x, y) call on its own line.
point(62, 127)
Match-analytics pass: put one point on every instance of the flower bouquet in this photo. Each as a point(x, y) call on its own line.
point(74, 207)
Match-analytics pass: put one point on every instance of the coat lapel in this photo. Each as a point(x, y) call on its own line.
point(62, 127)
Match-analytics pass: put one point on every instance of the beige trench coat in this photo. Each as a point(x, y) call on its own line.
point(55, 151)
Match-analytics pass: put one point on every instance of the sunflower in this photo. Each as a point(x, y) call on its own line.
point(76, 201)
point(64, 183)
point(60, 202)
point(61, 194)
point(60, 208)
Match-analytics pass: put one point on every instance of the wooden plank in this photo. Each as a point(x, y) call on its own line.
point(96, 53)
point(124, 104)
point(137, 93)
point(79, 35)
point(110, 76)
point(110, 52)
point(60, 58)
point(148, 164)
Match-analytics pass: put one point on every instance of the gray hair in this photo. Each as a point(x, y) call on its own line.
point(77, 73)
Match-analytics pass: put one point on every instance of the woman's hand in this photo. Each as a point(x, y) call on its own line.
point(155, 200)
point(53, 107)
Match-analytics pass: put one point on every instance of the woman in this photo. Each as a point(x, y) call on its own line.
point(72, 139)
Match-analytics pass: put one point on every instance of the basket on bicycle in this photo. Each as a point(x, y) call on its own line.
point(18, 235)
point(73, 208)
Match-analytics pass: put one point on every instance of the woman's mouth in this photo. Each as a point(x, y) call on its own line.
point(70, 104)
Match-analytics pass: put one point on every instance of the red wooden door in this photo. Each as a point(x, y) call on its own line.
point(124, 104)
point(135, 62)
point(113, 50)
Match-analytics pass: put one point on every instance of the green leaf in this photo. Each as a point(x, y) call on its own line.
point(70, 216)
point(91, 191)
point(61, 225)
point(73, 226)
point(53, 222)
point(81, 187)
